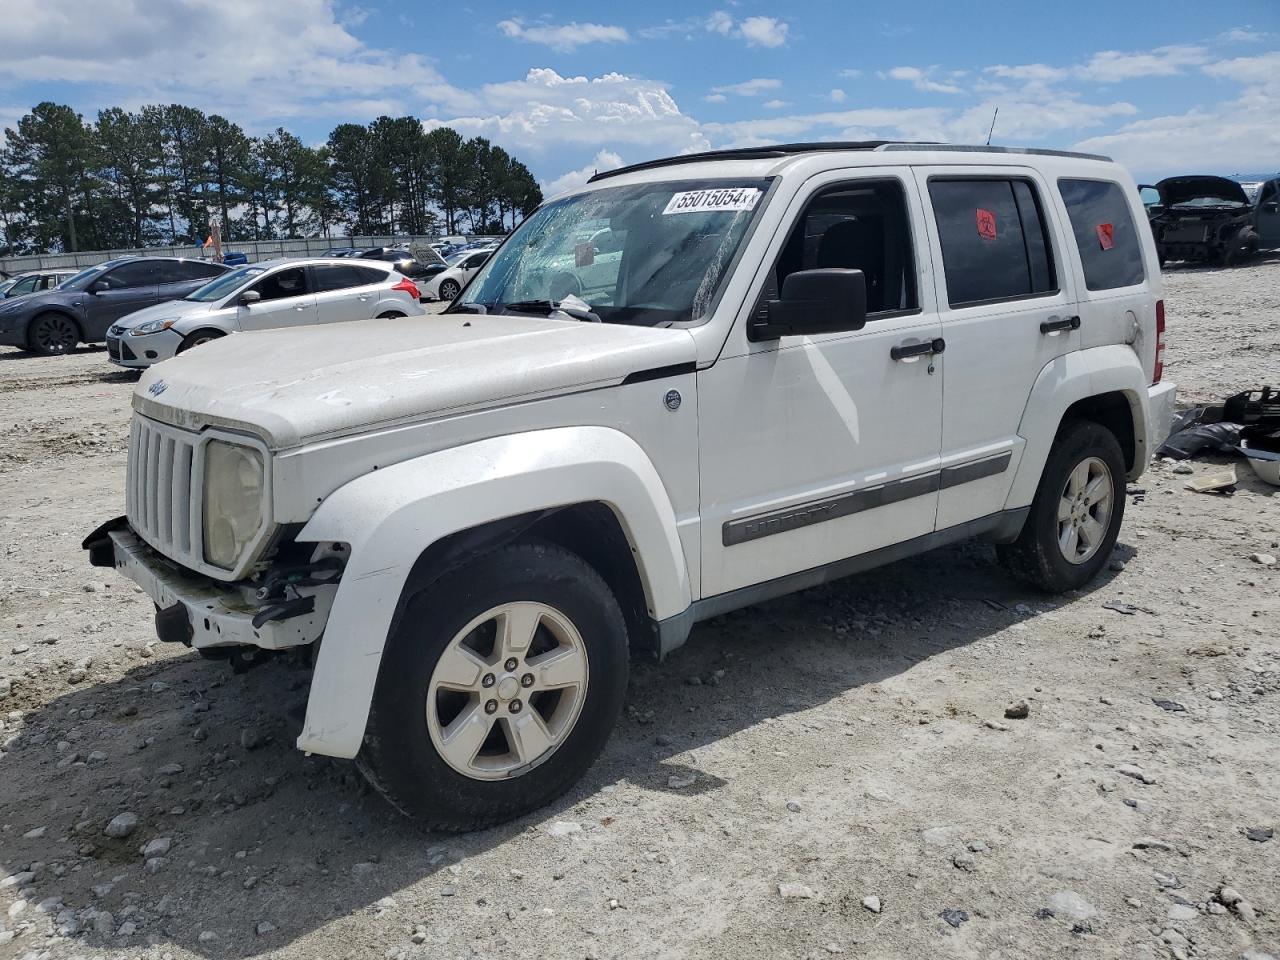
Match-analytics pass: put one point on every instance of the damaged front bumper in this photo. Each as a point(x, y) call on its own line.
point(204, 613)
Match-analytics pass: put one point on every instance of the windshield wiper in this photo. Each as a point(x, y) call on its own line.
point(554, 306)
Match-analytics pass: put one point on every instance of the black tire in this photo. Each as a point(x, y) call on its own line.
point(1036, 556)
point(52, 334)
point(198, 337)
point(398, 756)
point(390, 315)
point(449, 289)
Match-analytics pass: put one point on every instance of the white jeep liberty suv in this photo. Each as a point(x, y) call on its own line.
point(692, 385)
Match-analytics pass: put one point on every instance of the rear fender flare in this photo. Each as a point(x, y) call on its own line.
point(1063, 381)
point(389, 517)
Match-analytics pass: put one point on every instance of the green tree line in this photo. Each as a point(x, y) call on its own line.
point(160, 174)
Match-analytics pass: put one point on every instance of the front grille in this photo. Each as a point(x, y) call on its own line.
point(158, 491)
point(126, 353)
point(113, 349)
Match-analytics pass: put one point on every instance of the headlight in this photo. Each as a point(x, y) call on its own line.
point(233, 491)
point(151, 326)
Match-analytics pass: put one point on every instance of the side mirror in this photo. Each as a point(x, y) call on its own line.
point(815, 302)
point(98, 286)
point(249, 298)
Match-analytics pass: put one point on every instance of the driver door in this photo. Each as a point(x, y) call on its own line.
point(130, 287)
point(287, 301)
point(818, 448)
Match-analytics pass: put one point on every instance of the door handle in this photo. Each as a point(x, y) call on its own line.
point(1055, 324)
point(365, 297)
point(904, 351)
point(300, 308)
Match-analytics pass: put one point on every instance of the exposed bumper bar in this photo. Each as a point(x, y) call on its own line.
point(216, 614)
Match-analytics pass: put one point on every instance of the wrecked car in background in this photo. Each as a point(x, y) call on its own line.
point(1210, 219)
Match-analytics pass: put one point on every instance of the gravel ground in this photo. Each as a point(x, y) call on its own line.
point(843, 771)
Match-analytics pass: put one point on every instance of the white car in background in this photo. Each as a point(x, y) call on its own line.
point(463, 265)
point(263, 296)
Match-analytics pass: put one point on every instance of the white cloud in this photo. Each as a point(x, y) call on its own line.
point(756, 31)
point(574, 179)
point(546, 111)
point(258, 63)
point(920, 79)
point(354, 15)
point(850, 74)
point(1111, 66)
point(563, 38)
point(749, 88)
point(836, 95)
point(715, 98)
point(776, 104)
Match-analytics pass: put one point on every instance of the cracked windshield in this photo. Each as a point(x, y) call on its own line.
point(646, 254)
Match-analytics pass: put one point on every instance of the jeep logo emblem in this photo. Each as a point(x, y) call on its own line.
point(157, 388)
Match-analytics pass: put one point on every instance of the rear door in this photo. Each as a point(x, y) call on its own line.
point(177, 278)
point(130, 286)
point(1008, 309)
point(287, 301)
point(345, 291)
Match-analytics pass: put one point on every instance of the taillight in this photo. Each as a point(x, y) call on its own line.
point(1159, 370)
point(411, 288)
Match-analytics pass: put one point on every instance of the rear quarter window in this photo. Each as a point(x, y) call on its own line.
point(1110, 250)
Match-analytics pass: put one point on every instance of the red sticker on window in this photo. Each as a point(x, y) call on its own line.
point(1106, 236)
point(584, 254)
point(986, 224)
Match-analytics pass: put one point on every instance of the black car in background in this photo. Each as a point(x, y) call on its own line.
point(1202, 218)
point(81, 309)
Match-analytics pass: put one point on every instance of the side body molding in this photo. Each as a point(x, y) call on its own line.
point(390, 516)
point(1062, 382)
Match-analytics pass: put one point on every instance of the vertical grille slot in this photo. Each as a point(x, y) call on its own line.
point(183, 519)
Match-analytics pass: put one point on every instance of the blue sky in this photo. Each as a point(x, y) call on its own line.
point(1165, 87)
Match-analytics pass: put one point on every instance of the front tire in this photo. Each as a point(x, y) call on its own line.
point(1076, 515)
point(53, 334)
point(499, 687)
point(193, 340)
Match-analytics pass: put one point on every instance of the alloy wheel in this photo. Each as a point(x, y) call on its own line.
point(507, 690)
point(1084, 510)
point(53, 333)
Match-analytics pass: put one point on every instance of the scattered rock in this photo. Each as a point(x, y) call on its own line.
point(170, 770)
point(157, 847)
point(250, 739)
point(121, 825)
point(563, 828)
point(1151, 843)
point(1182, 911)
point(264, 927)
point(1172, 706)
point(1017, 711)
point(795, 891)
point(207, 936)
point(1259, 834)
point(872, 903)
point(965, 862)
point(35, 834)
point(995, 725)
point(678, 781)
point(793, 806)
point(954, 917)
point(1071, 906)
point(1266, 559)
point(1137, 773)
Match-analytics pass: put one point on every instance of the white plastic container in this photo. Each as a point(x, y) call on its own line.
point(1265, 463)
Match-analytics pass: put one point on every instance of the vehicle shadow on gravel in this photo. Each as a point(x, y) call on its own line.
point(245, 830)
point(23, 354)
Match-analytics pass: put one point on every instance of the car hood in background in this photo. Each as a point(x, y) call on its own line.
point(168, 310)
point(1174, 190)
point(292, 386)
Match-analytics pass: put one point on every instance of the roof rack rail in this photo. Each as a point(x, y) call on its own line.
point(779, 150)
point(977, 148)
point(769, 152)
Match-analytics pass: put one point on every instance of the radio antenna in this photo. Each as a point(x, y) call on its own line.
point(993, 125)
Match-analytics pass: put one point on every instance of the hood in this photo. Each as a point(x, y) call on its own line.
point(168, 310)
point(299, 385)
point(1175, 190)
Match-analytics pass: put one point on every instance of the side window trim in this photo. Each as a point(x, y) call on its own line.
point(1046, 230)
point(911, 271)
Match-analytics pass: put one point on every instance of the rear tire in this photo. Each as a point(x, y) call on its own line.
point(449, 290)
point(451, 739)
point(390, 315)
point(52, 334)
point(1069, 536)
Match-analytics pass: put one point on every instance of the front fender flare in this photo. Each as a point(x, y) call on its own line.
point(389, 517)
point(1063, 381)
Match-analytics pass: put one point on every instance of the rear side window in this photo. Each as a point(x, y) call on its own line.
point(1110, 251)
point(329, 276)
point(368, 275)
point(994, 242)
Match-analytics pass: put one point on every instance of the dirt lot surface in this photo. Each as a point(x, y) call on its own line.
point(831, 773)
